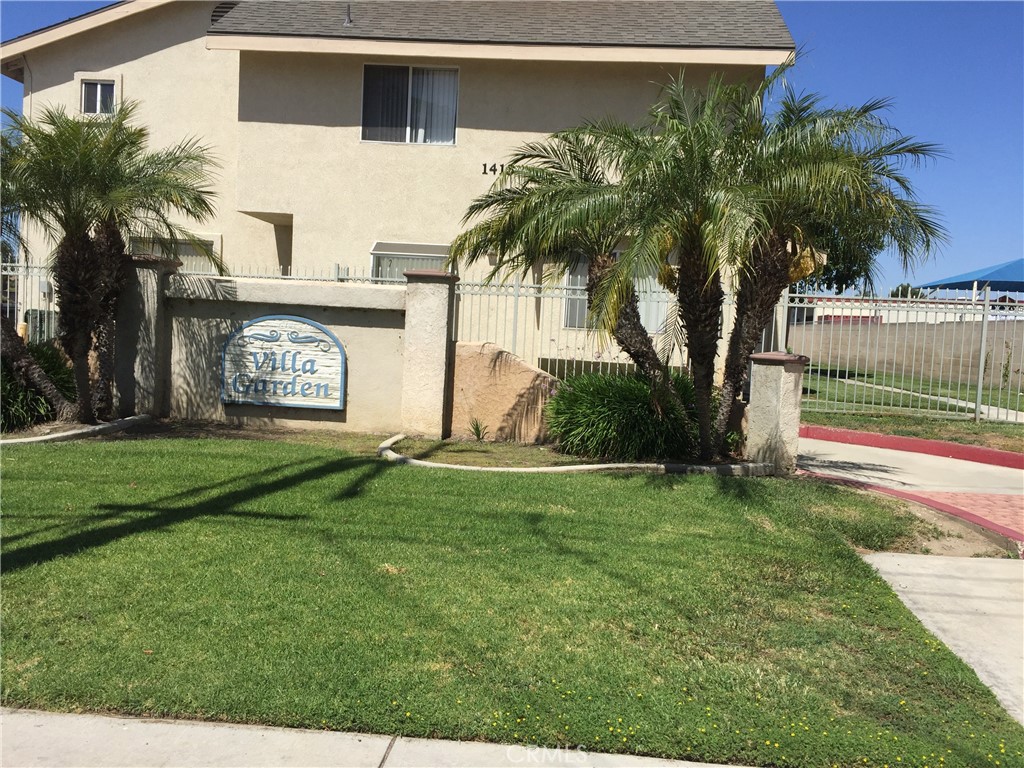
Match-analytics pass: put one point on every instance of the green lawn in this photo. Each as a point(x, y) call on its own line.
point(1005, 396)
point(724, 620)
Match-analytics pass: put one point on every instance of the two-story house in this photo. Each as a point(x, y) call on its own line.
point(353, 135)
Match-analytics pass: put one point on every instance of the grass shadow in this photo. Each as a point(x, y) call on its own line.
point(193, 503)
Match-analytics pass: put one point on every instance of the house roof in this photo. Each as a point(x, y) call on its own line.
point(698, 31)
point(729, 24)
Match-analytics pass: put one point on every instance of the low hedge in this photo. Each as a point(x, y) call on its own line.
point(615, 418)
point(20, 407)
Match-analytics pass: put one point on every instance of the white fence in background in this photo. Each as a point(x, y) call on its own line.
point(546, 324)
point(26, 296)
point(327, 273)
point(954, 354)
point(948, 354)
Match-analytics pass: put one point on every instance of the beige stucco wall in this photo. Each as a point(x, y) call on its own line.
point(300, 147)
point(286, 129)
point(773, 416)
point(369, 322)
point(295, 179)
point(159, 59)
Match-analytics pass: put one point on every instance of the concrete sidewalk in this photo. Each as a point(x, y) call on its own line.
point(973, 605)
point(51, 739)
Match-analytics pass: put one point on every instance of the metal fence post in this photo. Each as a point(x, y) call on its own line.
point(981, 357)
point(515, 313)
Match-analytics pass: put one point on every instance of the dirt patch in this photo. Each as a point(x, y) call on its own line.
point(42, 430)
point(942, 534)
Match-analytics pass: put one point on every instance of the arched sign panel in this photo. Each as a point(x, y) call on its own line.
point(286, 361)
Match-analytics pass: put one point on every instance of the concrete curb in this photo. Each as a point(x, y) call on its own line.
point(724, 470)
point(975, 453)
point(85, 431)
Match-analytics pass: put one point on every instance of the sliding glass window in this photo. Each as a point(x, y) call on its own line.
point(409, 104)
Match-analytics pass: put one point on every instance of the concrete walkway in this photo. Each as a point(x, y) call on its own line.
point(974, 605)
point(51, 739)
point(983, 494)
point(993, 412)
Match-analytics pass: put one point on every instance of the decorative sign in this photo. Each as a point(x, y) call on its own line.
point(284, 360)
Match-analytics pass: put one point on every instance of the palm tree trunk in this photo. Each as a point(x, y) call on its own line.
point(112, 258)
point(30, 374)
point(700, 299)
point(103, 391)
point(756, 297)
point(630, 334)
point(78, 291)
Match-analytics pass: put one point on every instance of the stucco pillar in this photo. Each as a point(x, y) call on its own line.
point(425, 359)
point(142, 355)
point(776, 382)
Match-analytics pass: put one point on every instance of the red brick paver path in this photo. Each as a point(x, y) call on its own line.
point(1002, 509)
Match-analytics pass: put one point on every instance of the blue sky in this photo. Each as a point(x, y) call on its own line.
point(955, 71)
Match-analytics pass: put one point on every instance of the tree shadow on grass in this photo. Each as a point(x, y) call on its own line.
point(228, 500)
point(376, 468)
point(749, 489)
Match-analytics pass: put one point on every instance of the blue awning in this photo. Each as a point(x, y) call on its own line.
point(1001, 277)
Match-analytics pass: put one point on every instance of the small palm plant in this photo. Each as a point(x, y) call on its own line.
point(479, 429)
point(91, 184)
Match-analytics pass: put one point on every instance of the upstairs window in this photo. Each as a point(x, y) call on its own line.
point(97, 97)
point(409, 105)
point(192, 259)
point(391, 260)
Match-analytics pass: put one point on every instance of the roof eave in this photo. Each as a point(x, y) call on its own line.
point(12, 51)
point(488, 50)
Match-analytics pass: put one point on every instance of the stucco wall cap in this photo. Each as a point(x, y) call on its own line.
point(430, 276)
point(778, 358)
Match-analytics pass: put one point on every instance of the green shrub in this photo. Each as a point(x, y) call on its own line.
point(21, 407)
point(614, 417)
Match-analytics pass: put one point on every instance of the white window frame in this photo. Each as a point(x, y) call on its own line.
point(99, 97)
point(571, 308)
point(198, 266)
point(408, 105)
point(571, 304)
point(81, 78)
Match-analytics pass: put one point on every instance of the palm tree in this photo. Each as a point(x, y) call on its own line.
point(819, 178)
point(92, 186)
point(686, 205)
point(49, 169)
point(137, 192)
point(28, 372)
point(554, 205)
point(725, 186)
